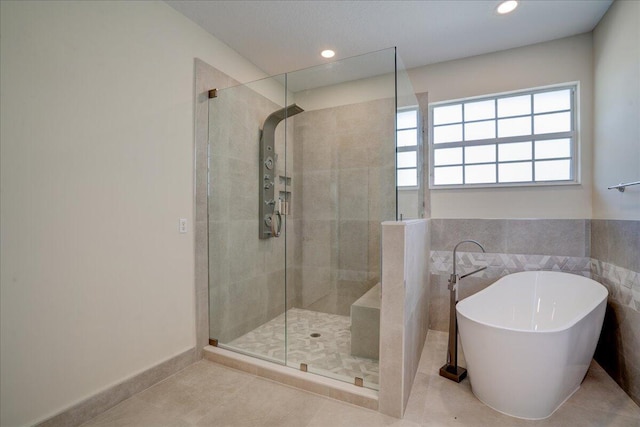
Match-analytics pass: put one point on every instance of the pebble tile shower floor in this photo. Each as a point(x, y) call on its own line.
point(328, 354)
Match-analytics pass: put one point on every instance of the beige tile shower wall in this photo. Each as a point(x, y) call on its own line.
point(416, 303)
point(347, 180)
point(404, 310)
point(247, 274)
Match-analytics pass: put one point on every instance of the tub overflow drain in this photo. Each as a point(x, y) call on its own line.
point(315, 335)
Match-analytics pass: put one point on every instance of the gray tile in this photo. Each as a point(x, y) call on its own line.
point(600, 392)
point(353, 150)
point(619, 346)
point(338, 414)
point(207, 394)
point(323, 201)
point(255, 401)
point(490, 233)
point(353, 245)
point(587, 233)
point(624, 244)
point(180, 400)
point(316, 283)
point(135, 412)
point(436, 401)
point(353, 192)
point(600, 239)
point(439, 303)
point(565, 237)
point(568, 415)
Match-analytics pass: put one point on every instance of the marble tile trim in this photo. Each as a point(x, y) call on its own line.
point(107, 399)
point(623, 284)
point(499, 264)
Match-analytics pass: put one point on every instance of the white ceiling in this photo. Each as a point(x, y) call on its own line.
point(282, 36)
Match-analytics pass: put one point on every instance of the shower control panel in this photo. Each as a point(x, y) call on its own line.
point(270, 215)
point(267, 185)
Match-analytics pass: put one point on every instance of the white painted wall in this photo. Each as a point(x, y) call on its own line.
point(560, 61)
point(96, 168)
point(616, 157)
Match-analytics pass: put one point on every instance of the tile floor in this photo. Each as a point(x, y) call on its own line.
point(208, 394)
point(328, 354)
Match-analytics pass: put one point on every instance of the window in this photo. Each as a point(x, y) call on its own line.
point(522, 138)
point(407, 138)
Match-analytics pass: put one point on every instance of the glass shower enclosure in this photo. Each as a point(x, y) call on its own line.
point(302, 171)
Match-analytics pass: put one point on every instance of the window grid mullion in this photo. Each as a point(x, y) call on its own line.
point(409, 148)
point(497, 141)
point(406, 148)
point(533, 145)
point(573, 129)
point(504, 140)
point(464, 178)
point(495, 125)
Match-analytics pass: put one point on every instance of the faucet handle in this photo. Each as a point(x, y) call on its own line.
point(453, 280)
point(473, 272)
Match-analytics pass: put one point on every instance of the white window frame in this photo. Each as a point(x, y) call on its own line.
point(409, 148)
point(573, 135)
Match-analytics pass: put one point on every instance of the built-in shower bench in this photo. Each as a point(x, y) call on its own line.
point(365, 324)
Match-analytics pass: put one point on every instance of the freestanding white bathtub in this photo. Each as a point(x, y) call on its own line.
point(528, 339)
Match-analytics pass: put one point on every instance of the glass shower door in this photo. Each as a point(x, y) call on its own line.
point(343, 188)
point(302, 172)
point(247, 232)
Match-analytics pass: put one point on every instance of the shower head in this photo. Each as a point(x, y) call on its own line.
point(277, 116)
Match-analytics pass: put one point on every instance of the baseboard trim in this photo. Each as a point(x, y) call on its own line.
point(107, 399)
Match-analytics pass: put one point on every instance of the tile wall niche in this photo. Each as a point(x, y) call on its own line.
point(605, 250)
point(346, 170)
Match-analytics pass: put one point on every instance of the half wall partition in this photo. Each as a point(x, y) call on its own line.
point(302, 171)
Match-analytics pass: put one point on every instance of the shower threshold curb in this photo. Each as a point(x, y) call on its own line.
point(310, 382)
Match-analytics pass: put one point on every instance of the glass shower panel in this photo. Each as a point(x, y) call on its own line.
point(410, 181)
point(343, 187)
point(302, 172)
point(247, 271)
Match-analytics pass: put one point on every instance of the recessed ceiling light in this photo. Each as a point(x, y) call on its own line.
point(327, 53)
point(507, 6)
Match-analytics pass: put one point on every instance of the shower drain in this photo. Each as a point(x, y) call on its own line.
point(315, 335)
